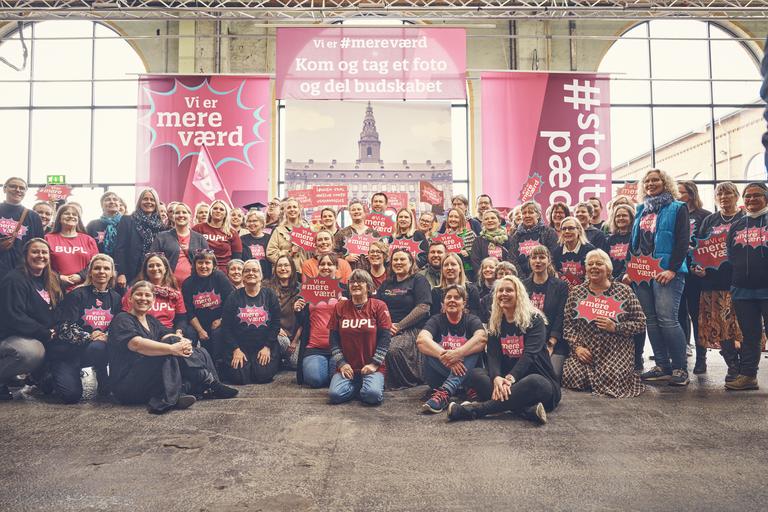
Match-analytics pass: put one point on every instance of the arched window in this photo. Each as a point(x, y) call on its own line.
point(684, 98)
point(72, 109)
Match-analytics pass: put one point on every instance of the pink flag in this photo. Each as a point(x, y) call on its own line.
point(205, 183)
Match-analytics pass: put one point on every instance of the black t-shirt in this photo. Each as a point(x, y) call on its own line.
point(204, 297)
point(571, 266)
point(618, 251)
point(521, 354)
point(401, 297)
point(256, 249)
point(124, 328)
point(251, 322)
point(452, 336)
point(550, 297)
point(90, 309)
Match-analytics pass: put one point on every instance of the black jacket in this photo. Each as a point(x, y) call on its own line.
point(23, 310)
point(128, 249)
point(545, 236)
point(167, 242)
point(748, 252)
point(480, 252)
point(32, 228)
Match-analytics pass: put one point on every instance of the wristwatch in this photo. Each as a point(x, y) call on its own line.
point(510, 378)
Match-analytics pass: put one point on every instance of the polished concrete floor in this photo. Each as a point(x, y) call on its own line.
point(281, 447)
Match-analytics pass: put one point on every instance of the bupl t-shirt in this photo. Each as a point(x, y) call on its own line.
point(358, 328)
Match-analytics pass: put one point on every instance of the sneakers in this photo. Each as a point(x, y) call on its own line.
point(437, 402)
point(460, 411)
point(700, 367)
point(219, 390)
point(536, 413)
point(688, 350)
point(742, 383)
point(679, 378)
point(656, 374)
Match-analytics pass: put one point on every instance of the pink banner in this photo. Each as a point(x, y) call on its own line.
point(546, 137)
point(371, 63)
point(229, 115)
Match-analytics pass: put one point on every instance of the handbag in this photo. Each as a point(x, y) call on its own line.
point(6, 242)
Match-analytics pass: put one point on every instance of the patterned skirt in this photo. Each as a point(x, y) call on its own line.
point(717, 319)
point(404, 361)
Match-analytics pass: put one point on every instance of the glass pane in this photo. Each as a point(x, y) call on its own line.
point(666, 54)
point(14, 94)
point(63, 59)
point(681, 93)
point(737, 141)
point(743, 91)
point(683, 142)
point(459, 142)
point(14, 134)
point(61, 141)
point(707, 195)
point(12, 51)
point(61, 94)
point(630, 155)
point(116, 93)
point(114, 58)
point(114, 146)
point(630, 91)
point(628, 57)
point(88, 198)
point(730, 59)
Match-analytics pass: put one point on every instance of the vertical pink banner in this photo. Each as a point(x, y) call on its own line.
point(546, 137)
point(371, 63)
point(229, 115)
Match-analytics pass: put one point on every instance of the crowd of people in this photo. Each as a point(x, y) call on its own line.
point(171, 304)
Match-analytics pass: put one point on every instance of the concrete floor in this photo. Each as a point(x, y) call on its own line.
point(281, 447)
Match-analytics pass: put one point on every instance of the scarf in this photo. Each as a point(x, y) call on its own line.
point(656, 203)
point(147, 226)
point(110, 234)
point(497, 236)
point(757, 214)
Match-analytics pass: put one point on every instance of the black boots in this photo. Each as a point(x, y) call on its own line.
point(732, 359)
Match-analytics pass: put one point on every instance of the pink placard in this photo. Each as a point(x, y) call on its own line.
point(330, 195)
point(305, 196)
point(371, 63)
point(552, 130)
point(228, 115)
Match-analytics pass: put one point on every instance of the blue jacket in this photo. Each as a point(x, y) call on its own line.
point(664, 239)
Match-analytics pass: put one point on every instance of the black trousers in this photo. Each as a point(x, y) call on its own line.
point(752, 316)
point(159, 381)
point(65, 362)
point(252, 372)
point(526, 392)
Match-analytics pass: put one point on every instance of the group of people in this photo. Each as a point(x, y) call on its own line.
point(171, 304)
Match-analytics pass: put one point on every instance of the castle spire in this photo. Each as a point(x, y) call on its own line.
point(369, 146)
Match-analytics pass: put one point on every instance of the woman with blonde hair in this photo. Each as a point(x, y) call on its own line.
point(519, 377)
point(456, 223)
point(221, 236)
point(661, 230)
point(568, 257)
point(280, 241)
point(452, 273)
point(406, 228)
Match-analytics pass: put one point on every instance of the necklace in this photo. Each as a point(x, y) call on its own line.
point(728, 219)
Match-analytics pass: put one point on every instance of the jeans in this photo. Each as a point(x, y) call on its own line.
point(437, 375)
point(661, 304)
point(19, 355)
point(558, 361)
point(65, 363)
point(290, 361)
point(752, 316)
point(370, 388)
point(317, 370)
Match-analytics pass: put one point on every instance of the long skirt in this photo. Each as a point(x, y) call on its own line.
point(717, 320)
point(404, 361)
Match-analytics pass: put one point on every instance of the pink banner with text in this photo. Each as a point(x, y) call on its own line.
point(371, 63)
point(225, 117)
point(546, 137)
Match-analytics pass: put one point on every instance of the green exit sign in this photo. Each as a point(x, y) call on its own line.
point(56, 179)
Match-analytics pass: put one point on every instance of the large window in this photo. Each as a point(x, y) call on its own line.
point(72, 109)
point(685, 98)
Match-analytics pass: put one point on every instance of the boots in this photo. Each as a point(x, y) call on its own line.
point(701, 361)
point(732, 359)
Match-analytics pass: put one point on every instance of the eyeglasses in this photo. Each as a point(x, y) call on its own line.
point(20, 188)
point(372, 253)
point(569, 228)
point(251, 270)
point(203, 252)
